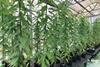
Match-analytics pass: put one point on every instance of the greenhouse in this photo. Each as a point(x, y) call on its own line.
point(49, 33)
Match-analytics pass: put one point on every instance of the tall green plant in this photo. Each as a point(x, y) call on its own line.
point(96, 31)
point(15, 27)
point(45, 32)
point(84, 31)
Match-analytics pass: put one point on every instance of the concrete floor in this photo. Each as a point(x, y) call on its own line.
point(95, 62)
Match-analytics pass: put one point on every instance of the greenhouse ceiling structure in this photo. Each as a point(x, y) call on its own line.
point(86, 7)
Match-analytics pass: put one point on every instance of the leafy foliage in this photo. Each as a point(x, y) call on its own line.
point(46, 34)
point(96, 31)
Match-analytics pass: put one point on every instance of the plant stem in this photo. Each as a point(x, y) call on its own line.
point(20, 61)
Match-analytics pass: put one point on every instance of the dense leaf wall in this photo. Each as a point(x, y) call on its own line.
point(44, 32)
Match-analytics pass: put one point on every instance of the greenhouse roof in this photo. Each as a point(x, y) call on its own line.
point(86, 7)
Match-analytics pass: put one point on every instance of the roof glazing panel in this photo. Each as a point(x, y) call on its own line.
point(85, 7)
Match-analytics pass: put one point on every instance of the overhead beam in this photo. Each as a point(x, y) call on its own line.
point(74, 10)
point(74, 3)
point(94, 15)
point(93, 12)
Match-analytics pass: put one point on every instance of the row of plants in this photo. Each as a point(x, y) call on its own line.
point(43, 33)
